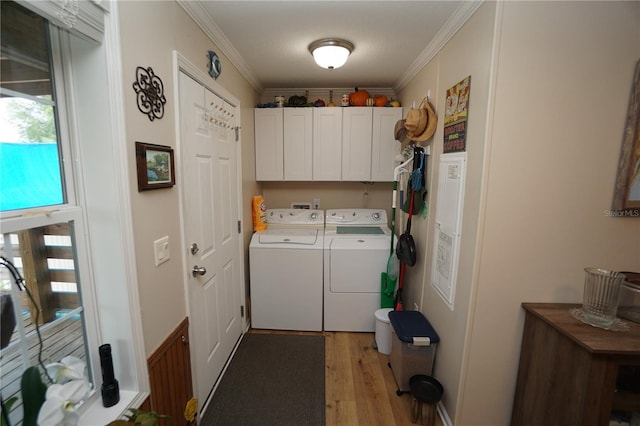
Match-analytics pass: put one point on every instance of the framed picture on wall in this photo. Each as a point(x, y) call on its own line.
point(155, 166)
point(626, 201)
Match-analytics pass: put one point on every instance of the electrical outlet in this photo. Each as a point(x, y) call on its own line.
point(161, 250)
point(316, 203)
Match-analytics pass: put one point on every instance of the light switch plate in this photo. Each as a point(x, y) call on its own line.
point(161, 250)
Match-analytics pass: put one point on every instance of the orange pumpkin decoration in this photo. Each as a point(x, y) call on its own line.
point(380, 100)
point(358, 98)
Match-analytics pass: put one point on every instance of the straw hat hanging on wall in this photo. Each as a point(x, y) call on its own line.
point(401, 133)
point(421, 122)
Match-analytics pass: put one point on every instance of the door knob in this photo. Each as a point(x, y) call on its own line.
point(198, 270)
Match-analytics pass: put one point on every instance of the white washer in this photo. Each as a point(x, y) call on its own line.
point(356, 251)
point(285, 265)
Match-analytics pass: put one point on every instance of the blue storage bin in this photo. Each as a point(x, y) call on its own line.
point(413, 347)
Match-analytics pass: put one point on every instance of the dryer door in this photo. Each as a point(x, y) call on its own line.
point(356, 264)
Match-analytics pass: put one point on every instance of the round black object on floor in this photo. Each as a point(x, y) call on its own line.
point(425, 388)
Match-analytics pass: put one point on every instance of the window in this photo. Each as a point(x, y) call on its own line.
point(43, 228)
point(94, 217)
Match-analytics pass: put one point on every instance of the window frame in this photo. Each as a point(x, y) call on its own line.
point(71, 210)
point(101, 127)
point(107, 255)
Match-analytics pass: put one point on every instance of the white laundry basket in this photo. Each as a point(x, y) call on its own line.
point(383, 331)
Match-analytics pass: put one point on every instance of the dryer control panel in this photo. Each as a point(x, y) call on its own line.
point(356, 217)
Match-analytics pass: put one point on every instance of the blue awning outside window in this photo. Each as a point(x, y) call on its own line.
point(30, 175)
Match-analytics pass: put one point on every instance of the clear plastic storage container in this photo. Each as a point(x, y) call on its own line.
point(413, 347)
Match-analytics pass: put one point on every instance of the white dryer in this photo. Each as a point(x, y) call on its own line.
point(285, 266)
point(356, 251)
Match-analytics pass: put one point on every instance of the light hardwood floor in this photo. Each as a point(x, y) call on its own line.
point(359, 385)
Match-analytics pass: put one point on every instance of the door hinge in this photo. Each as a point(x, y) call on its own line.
point(239, 226)
point(242, 311)
point(237, 133)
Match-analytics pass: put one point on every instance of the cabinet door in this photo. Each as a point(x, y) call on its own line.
point(327, 144)
point(384, 146)
point(356, 143)
point(269, 146)
point(298, 143)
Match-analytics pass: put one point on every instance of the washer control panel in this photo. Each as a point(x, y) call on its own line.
point(356, 217)
point(295, 217)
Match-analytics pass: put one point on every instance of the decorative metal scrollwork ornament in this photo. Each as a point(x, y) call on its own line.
point(69, 12)
point(150, 91)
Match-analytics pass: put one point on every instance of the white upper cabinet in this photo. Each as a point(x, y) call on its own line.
point(369, 147)
point(269, 144)
point(357, 126)
point(384, 146)
point(298, 143)
point(327, 144)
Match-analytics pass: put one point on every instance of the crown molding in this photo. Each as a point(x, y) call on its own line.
point(201, 17)
point(450, 28)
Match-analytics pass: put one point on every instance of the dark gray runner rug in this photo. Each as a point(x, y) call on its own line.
point(273, 379)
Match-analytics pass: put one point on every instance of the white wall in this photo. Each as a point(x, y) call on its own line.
point(332, 195)
point(150, 31)
point(563, 81)
point(546, 122)
point(467, 53)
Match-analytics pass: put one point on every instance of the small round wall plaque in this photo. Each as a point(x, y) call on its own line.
point(215, 67)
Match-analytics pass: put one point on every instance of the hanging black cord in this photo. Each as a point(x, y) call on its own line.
point(19, 281)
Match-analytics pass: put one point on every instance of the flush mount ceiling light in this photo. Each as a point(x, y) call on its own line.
point(331, 53)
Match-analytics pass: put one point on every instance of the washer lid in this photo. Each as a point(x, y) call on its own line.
point(300, 236)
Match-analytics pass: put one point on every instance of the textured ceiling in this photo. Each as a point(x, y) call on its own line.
point(268, 40)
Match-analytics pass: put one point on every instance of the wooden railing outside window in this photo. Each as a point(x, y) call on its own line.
point(45, 258)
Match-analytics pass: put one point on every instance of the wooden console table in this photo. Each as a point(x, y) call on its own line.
point(568, 370)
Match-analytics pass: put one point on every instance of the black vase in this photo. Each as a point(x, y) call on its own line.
point(110, 388)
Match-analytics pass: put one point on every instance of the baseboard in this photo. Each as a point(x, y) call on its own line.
point(444, 416)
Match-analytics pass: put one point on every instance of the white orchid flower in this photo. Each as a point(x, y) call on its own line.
point(69, 368)
point(60, 405)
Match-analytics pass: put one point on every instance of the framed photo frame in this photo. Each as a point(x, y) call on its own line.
point(155, 166)
point(626, 200)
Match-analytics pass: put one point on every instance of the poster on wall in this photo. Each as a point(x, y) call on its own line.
point(455, 118)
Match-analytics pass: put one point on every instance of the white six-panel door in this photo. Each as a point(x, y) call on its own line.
point(210, 216)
